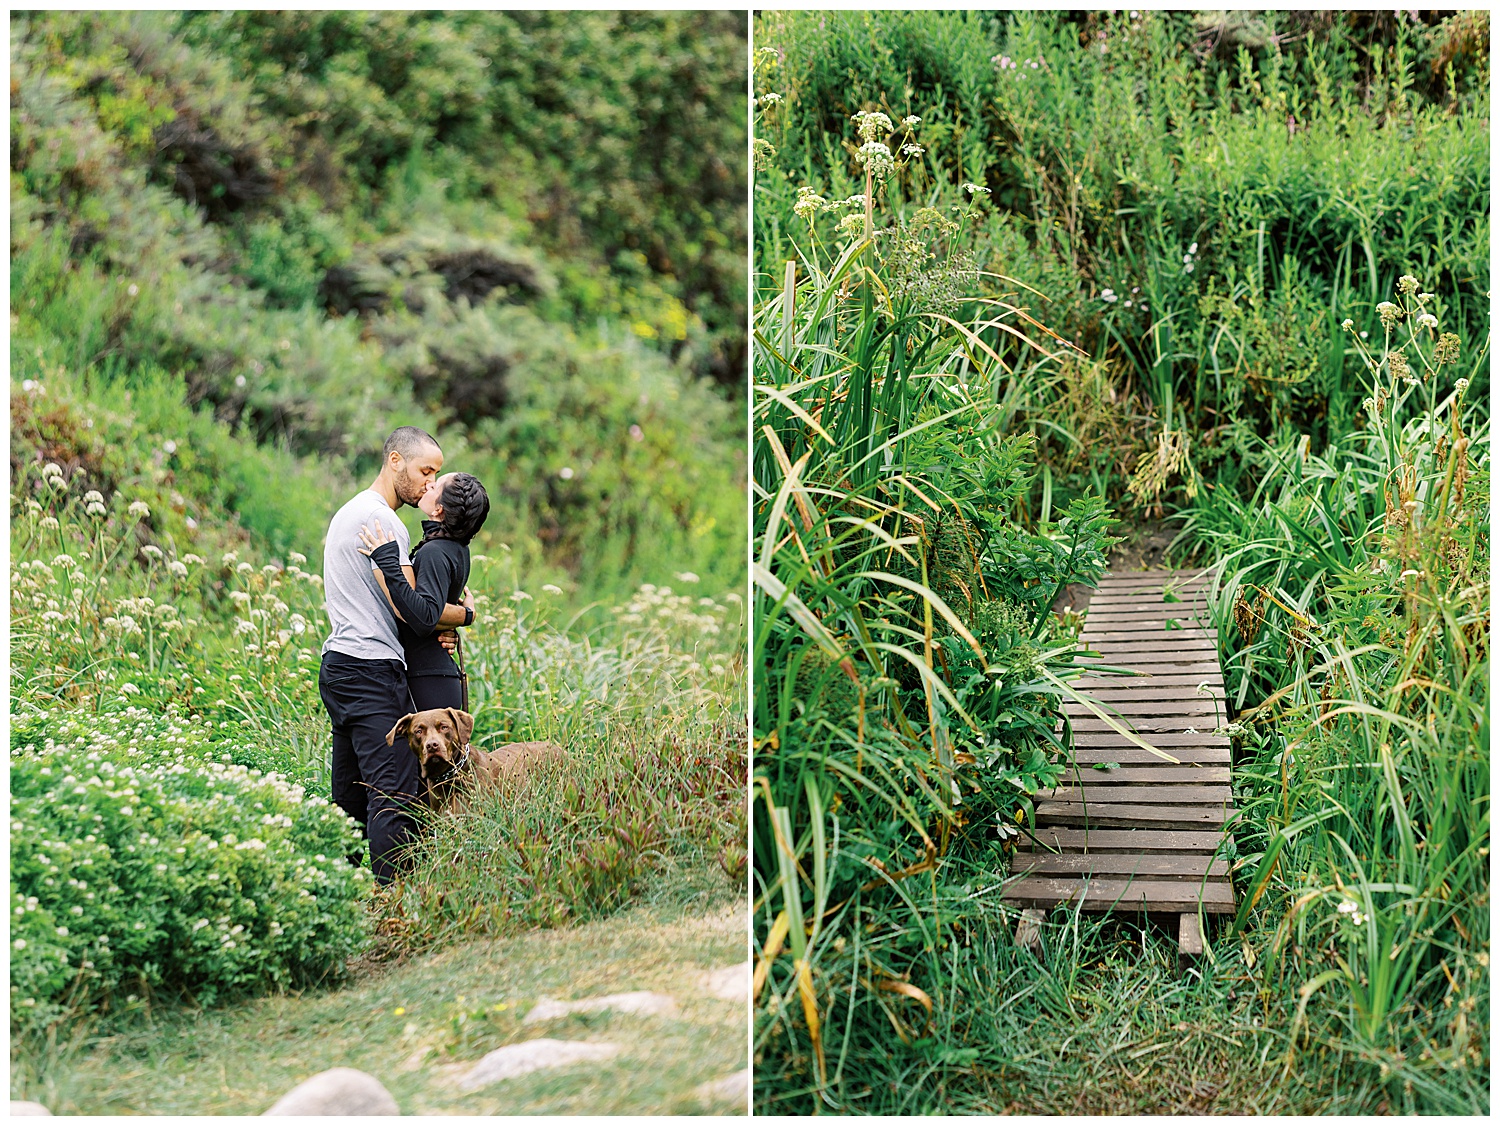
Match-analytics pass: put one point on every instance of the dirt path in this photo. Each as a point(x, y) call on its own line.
point(420, 1026)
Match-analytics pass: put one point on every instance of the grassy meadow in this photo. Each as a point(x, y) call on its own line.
point(244, 247)
point(1026, 284)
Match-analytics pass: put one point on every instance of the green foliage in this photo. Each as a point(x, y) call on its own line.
point(1145, 168)
point(907, 660)
point(339, 222)
point(1213, 209)
point(1353, 600)
point(139, 865)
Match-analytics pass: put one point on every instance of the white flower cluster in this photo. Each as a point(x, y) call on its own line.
point(1350, 908)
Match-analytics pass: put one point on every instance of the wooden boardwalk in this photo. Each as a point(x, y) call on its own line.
point(1129, 830)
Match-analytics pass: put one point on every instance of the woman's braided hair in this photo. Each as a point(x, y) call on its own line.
point(465, 507)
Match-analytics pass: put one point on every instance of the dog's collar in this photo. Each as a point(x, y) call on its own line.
point(459, 765)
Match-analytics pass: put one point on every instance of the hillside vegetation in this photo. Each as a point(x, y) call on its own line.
point(522, 231)
point(245, 246)
point(1026, 280)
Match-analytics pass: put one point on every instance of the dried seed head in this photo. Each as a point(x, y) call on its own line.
point(1400, 368)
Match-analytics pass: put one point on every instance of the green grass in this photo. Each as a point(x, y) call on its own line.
point(1101, 1023)
point(214, 658)
point(1155, 208)
point(1342, 495)
point(239, 1060)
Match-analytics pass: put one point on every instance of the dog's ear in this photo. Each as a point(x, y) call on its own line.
point(402, 728)
point(464, 722)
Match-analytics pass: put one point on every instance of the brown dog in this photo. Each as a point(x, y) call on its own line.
point(451, 767)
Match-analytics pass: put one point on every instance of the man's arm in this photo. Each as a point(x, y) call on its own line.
point(447, 637)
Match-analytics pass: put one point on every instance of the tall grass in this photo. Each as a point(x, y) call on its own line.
point(1210, 218)
point(1353, 607)
point(1197, 205)
point(906, 657)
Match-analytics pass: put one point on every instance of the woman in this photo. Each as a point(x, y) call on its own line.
point(455, 506)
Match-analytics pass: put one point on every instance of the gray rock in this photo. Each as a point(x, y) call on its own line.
point(640, 1004)
point(522, 1059)
point(732, 983)
point(21, 1109)
point(338, 1091)
point(730, 1089)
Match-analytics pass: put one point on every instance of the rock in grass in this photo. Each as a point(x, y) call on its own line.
point(732, 983)
point(338, 1091)
point(730, 1089)
point(22, 1109)
point(522, 1059)
point(640, 1004)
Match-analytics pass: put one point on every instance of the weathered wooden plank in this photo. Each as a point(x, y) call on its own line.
point(1152, 689)
point(1147, 578)
point(1052, 838)
point(1152, 636)
point(1167, 741)
point(1194, 602)
point(1154, 620)
point(1133, 660)
point(1132, 649)
point(1122, 816)
point(1155, 627)
point(1132, 755)
point(1152, 578)
point(1189, 940)
point(1201, 705)
point(1173, 866)
point(1196, 595)
point(1132, 793)
point(1148, 727)
point(1104, 894)
point(1153, 592)
point(1128, 607)
point(1193, 774)
point(1092, 684)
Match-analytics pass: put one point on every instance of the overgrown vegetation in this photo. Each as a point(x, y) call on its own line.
point(169, 747)
point(1258, 243)
point(315, 226)
point(245, 246)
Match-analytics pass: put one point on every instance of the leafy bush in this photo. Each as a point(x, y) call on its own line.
point(1169, 187)
point(1352, 602)
point(908, 664)
point(137, 866)
point(295, 226)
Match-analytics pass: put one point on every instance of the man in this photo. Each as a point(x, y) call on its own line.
point(363, 675)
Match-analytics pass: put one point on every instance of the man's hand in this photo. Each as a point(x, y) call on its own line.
point(468, 602)
point(448, 639)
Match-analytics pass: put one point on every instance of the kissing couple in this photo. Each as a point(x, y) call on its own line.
point(393, 612)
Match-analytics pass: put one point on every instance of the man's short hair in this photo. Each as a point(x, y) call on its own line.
point(408, 441)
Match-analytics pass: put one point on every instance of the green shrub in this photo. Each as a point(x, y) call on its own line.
point(1169, 187)
point(139, 868)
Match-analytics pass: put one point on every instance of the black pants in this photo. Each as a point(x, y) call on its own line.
point(375, 783)
point(429, 692)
